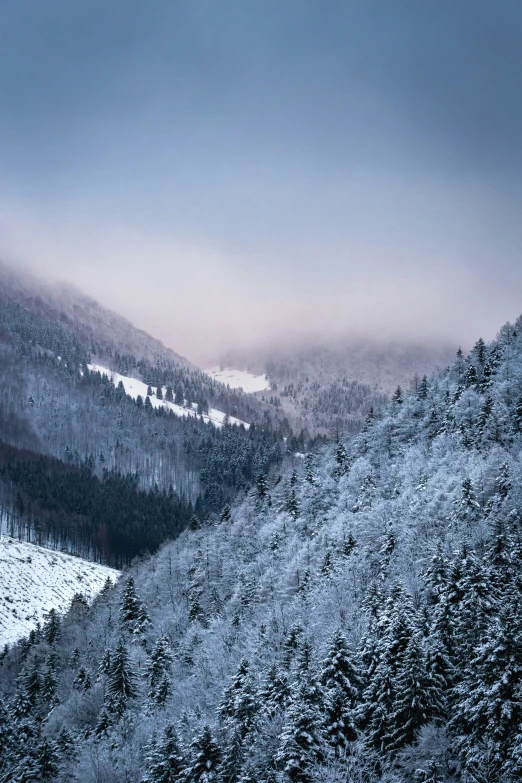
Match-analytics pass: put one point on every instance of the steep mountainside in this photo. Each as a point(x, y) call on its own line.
point(357, 621)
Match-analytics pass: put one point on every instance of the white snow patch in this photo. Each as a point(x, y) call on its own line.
point(134, 388)
point(240, 379)
point(34, 580)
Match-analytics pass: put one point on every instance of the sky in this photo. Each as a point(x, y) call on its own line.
point(224, 173)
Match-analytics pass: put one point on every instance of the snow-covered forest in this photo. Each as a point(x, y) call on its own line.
point(355, 619)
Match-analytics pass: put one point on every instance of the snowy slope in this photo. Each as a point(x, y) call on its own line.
point(34, 580)
point(239, 379)
point(134, 388)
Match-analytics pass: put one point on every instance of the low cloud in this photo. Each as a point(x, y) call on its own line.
point(202, 302)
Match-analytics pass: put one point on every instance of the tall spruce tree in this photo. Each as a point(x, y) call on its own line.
point(342, 685)
point(122, 680)
point(302, 742)
point(164, 759)
point(133, 615)
point(204, 759)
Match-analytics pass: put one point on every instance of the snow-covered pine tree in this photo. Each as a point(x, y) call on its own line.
point(204, 759)
point(164, 758)
point(121, 681)
point(342, 685)
point(274, 694)
point(302, 741)
point(158, 671)
point(82, 681)
point(133, 615)
point(52, 626)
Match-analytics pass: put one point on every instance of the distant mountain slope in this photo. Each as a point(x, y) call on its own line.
point(100, 330)
point(356, 620)
point(34, 580)
point(330, 387)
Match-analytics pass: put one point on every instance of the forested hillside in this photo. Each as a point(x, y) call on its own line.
point(54, 403)
point(358, 620)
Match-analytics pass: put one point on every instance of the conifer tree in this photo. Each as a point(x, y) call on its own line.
point(103, 722)
point(342, 684)
point(204, 759)
point(196, 612)
point(82, 681)
point(133, 615)
point(50, 680)
point(411, 704)
point(122, 682)
point(105, 663)
point(395, 698)
point(164, 759)
point(301, 743)
point(46, 762)
point(226, 513)
point(397, 396)
point(262, 487)
point(341, 459)
point(471, 377)
point(309, 469)
point(238, 704)
point(467, 507)
point(292, 504)
point(339, 669)
point(422, 391)
point(29, 691)
point(51, 628)
point(275, 693)
point(158, 671)
point(479, 350)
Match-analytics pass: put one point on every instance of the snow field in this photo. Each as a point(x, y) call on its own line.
point(239, 379)
point(34, 580)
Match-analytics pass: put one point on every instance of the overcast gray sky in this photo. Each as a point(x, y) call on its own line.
point(221, 171)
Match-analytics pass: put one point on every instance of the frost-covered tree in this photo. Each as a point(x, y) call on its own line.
point(158, 671)
point(342, 685)
point(164, 758)
point(121, 680)
point(302, 743)
point(133, 615)
point(204, 759)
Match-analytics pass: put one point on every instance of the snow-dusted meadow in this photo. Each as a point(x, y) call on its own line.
point(134, 388)
point(34, 580)
point(239, 379)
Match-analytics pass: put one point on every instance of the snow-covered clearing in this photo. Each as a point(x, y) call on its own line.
point(134, 388)
point(240, 379)
point(34, 580)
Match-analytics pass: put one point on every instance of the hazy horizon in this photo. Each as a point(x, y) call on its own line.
point(225, 176)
